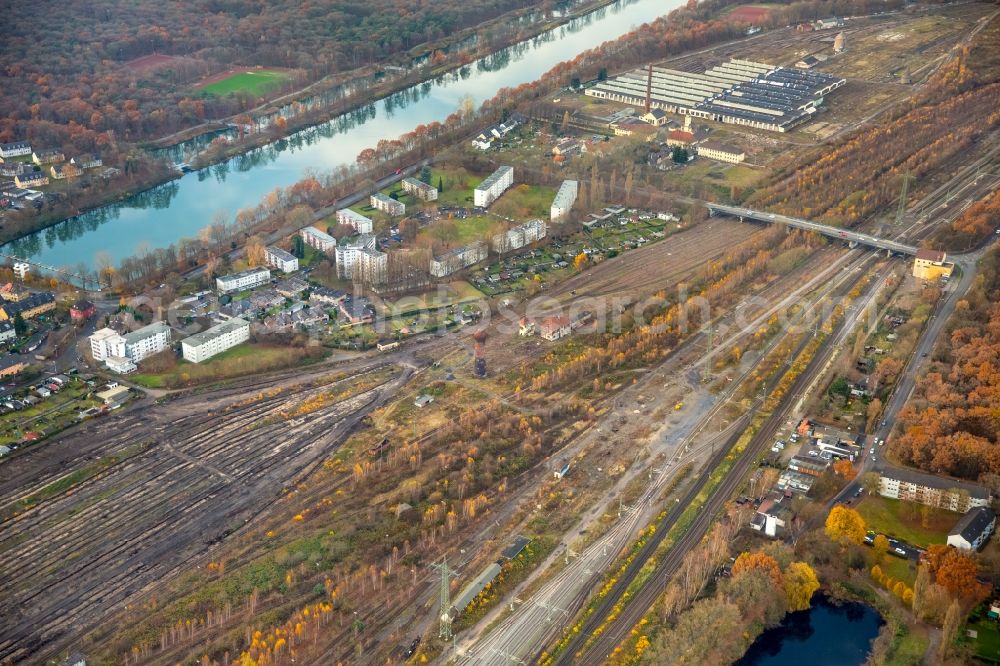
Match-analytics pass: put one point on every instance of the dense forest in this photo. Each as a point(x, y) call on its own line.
point(952, 423)
point(73, 75)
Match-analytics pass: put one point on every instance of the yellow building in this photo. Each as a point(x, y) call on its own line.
point(722, 152)
point(931, 265)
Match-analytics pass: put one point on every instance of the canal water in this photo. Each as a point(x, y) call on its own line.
point(825, 635)
point(161, 216)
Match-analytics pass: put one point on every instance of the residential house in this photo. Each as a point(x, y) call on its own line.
point(423, 400)
point(564, 200)
point(284, 261)
point(14, 149)
point(361, 224)
point(655, 117)
point(61, 171)
point(772, 516)
point(493, 186)
point(7, 332)
point(326, 297)
point(680, 138)
point(973, 529)
point(30, 178)
point(319, 240)
point(357, 310)
point(555, 327)
point(810, 466)
point(28, 307)
point(82, 310)
point(87, 161)
point(215, 340)
point(387, 204)
point(420, 189)
point(526, 327)
point(248, 279)
point(122, 365)
point(146, 341)
point(457, 259)
point(291, 287)
point(723, 152)
point(567, 147)
point(48, 156)
point(938, 491)
point(519, 236)
point(11, 365)
point(114, 396)
point(14, 292)
point(633, 127)
point(795, 481)
point(931, 265)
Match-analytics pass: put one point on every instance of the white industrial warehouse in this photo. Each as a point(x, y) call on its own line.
point(739, 92)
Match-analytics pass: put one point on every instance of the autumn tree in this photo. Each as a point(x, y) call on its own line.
point(844, 468)
point(949, 630)
point(880, 547)
point(800, 585)
point(957, 574)
point(761, 561)
point(255, 251)
point(845, 525)
point(579, 261)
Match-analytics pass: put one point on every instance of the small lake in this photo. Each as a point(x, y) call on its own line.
point(827, 634)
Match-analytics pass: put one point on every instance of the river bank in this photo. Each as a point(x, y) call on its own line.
point(181, 208)
point(305, 121)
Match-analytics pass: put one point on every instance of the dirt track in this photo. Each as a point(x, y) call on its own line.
point(658, 265)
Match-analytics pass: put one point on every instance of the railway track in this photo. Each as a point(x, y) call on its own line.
point(598, 651)
point(75, 558)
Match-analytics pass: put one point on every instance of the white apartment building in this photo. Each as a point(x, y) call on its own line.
point(120, 364)
point(495, 184)
point(723, 152)
point(106, 343)
point(420, 189)
point(317, 239)
point(519, 236)
point(371, 267)
point(943, 493)
point(349, 252)
point(146, 341)
point(387, 205)
point(243, 280)
point(361, 224)
point(286, 262)
point(202, 346)
point(15, 149)
point(565, 198)
point(458, 259)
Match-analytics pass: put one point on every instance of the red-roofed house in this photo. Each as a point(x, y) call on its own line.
point(556, 327)
point(930, 265)
point(680, 138)
point(82, 311)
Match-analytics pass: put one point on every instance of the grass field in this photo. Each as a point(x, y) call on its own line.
point(906, 521)
point(256, 83)
point(444, 295)
point(524, 201)
point(240, 360)
point(986, 644)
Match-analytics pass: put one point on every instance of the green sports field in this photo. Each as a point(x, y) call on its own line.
point(256, 83)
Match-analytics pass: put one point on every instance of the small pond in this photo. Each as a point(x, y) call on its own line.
point(828, 634)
